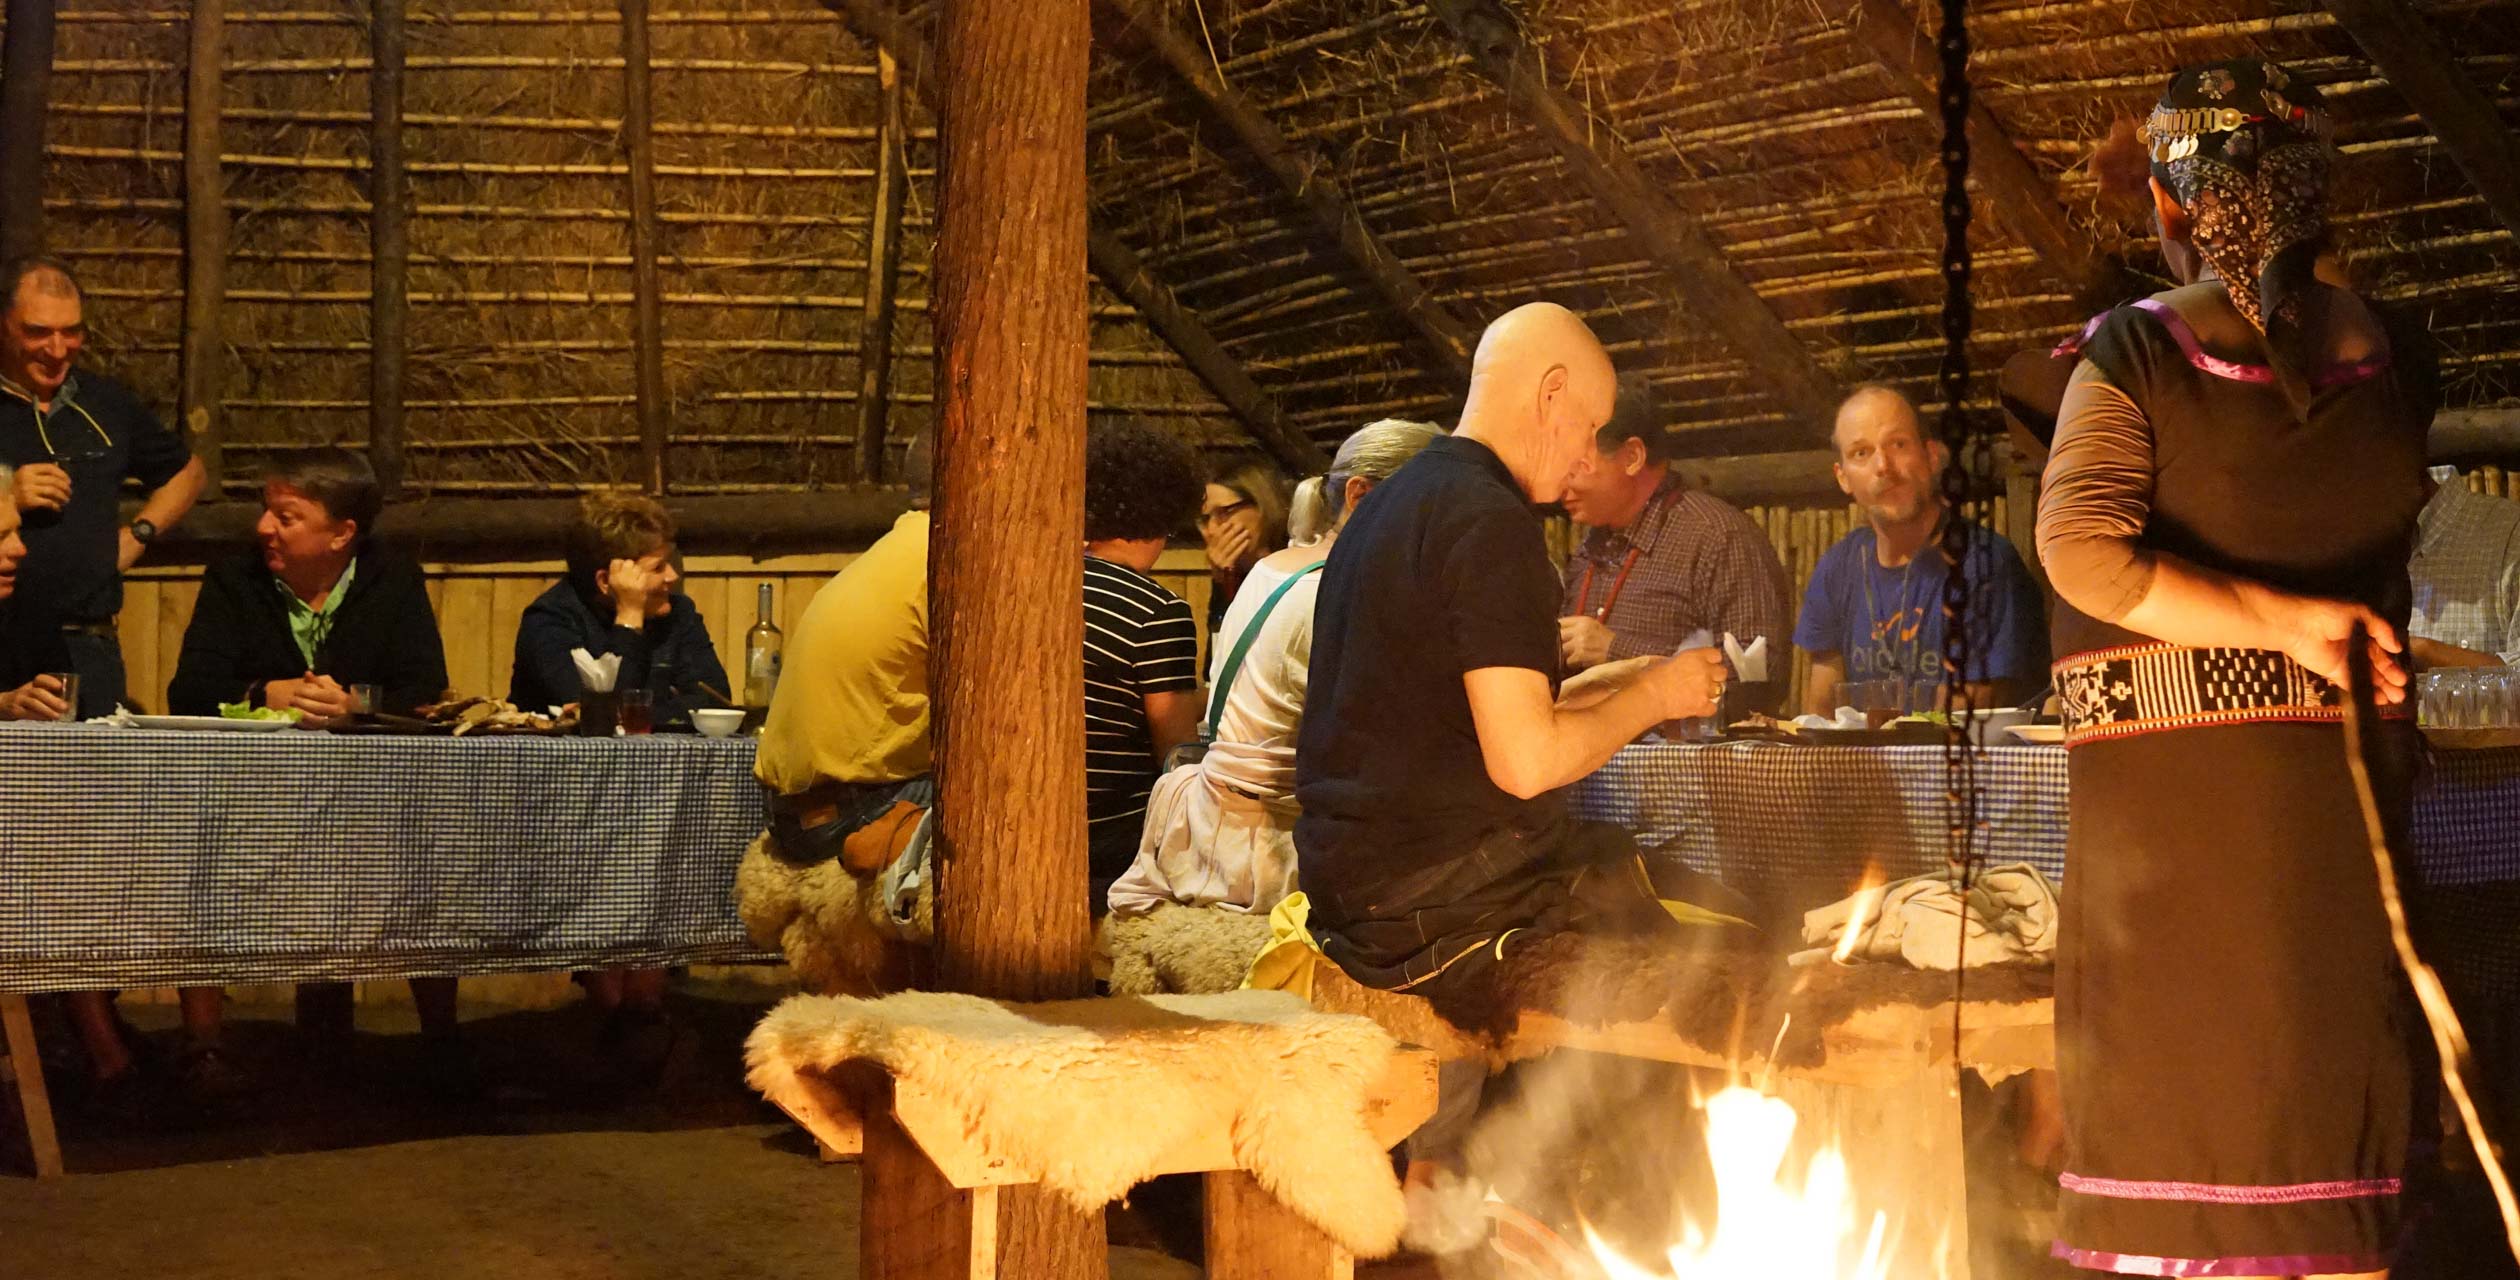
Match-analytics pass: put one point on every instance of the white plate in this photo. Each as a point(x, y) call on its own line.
point(214, 723)
point(2038, 735)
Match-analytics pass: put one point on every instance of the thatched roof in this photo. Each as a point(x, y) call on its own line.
point(1768, 126)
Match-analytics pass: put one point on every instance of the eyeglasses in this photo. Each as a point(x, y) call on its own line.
point(1218, 515)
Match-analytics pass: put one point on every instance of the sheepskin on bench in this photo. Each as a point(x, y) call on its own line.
point(829, 923)
point(1091, 1097)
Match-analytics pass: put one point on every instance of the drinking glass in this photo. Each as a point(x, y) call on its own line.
point(1881, 701)
point(363, 698)
point(637, 712)
point(2499, 703)
point(69, 694)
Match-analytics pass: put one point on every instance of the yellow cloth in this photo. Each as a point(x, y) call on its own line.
point(852, 703)
point(1286, 964)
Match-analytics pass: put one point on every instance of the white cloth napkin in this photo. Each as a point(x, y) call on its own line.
point(1749, 665)
point(1847, 718)
point(2010, 914)
point(596, 675)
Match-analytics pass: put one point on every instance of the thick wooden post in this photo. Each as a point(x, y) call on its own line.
point(647, 295)
point(26, 56)
point(1007, 571)
point(205, 239)
point(883, 267)
point(1121, 270)
point(389, 246)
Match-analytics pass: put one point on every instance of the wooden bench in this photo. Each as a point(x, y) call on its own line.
point(922, 1161)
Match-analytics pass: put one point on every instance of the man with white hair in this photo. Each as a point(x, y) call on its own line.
point(1435, 736)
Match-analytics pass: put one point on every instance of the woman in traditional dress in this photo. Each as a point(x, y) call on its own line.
point(2234, 487)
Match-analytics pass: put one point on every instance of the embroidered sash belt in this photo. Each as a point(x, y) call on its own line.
point(2118, 693)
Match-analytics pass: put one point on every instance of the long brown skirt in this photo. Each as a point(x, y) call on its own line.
point(2229, 1026)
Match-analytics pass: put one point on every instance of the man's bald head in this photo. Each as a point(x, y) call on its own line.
point(1540, 386)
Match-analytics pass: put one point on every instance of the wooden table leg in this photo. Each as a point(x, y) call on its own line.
point(28, 1069)
point(913, 1224)
point(1250, 1236)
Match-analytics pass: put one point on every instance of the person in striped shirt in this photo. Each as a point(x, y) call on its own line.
point(1141, 645)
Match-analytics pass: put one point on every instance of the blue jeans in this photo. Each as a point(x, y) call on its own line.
point(99, 663)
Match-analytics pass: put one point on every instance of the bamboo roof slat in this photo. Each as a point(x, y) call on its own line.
point(800, 16)
point(552, 124)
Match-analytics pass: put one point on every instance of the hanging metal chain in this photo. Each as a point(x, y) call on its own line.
point(1958, 481)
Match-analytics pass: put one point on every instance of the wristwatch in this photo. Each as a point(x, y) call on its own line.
point(143, 532)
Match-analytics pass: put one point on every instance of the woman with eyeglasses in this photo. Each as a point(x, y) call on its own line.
point(1242, 517)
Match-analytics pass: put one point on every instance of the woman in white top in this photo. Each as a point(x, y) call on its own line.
point(1220, 832)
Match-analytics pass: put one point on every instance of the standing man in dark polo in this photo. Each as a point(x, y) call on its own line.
point(74, 437)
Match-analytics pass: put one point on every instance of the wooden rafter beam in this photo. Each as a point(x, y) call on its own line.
point(389, 245)
point(647, 316)
point(1307, 178)
point(2423, 71)
point(1720, 298)
point(205, 240)
point(2022, 200)
point(1128, 277)
point(1124, 274)
point(26, 58)
point(883, 272)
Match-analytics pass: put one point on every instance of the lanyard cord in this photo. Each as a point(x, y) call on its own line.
point(1583, 586)
point(43, 430)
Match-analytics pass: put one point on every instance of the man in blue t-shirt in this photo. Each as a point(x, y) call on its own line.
point(1873, 611)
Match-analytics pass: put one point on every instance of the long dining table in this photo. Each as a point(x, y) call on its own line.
point(134, 857)
point(1800, 825)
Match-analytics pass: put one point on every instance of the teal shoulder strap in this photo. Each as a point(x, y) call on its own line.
point(1242, 646)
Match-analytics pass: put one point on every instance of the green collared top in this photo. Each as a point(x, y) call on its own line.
point(309, 625)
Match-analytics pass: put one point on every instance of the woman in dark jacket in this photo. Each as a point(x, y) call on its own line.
point(314, 609)
point(619, 598)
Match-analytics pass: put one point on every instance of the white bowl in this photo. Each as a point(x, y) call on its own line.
point(717, 722)
point(1988, 725)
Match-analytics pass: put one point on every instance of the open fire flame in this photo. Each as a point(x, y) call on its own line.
point(1767, 1226)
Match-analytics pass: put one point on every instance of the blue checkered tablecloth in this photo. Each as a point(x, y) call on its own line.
point(1797, 825)
point(133, 857)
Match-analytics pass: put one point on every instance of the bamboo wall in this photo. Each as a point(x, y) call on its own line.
point(520, 374)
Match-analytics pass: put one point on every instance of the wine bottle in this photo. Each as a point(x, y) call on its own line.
point(761, 661)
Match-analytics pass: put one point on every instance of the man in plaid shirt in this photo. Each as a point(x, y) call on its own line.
point(1663, 565)
point(2466, 575)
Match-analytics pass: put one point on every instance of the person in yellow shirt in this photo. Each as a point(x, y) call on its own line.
point(845, 767)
